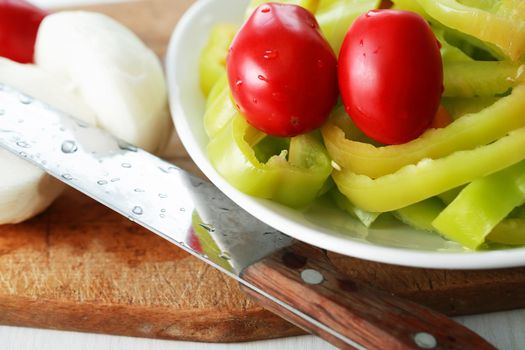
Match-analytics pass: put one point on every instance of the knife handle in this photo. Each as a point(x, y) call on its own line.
point(347, 313)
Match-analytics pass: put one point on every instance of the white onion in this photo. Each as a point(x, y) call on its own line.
point(25, 190)
point(115, 73)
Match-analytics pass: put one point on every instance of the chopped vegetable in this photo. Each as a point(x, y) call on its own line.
point(366, 218)
point(391, 75)
point(282, 72)
point(428, 178)
point(464, 133)
point(421, 214)
point(474, 212)
point(295, 181)
point(504, 32)
point(19, 22)
point(336, 16)
point(445, 179)
point(212, 62)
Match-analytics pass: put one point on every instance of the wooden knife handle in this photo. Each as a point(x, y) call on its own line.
point(303, 277)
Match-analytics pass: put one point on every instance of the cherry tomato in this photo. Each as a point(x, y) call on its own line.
point(391, 75)
point(281, 71)
point(19, 22)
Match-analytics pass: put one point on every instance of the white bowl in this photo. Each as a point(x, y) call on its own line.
point(322, 225)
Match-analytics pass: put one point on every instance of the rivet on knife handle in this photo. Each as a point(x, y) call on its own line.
point(364, 318)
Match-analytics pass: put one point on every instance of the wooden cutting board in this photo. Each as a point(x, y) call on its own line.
point(81, 267)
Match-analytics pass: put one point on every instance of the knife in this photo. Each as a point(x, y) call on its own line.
point(292, 279)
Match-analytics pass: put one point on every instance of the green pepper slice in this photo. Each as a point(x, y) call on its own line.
point(474, 213)
point(365, 217)
point(504, 32)
point(480, 78)
point(336, 16)
point(464, 133)
point(428, 178)
point(294, 178)
point(310, 5)
point(220, 108)
point(421, 214)
point(509, 231)
point(212, 61)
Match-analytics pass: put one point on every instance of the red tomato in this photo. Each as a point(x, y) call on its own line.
point(391, 75)
point(282, 72)
point(19, 21)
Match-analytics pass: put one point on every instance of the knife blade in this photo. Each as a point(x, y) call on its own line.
point(292, 279)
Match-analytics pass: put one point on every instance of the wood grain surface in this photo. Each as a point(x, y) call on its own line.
point(81, 267)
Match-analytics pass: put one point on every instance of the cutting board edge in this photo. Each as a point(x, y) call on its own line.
point(205, 325)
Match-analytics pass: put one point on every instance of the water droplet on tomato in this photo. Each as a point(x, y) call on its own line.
point(361, 43)
point(238, 83)
point(320, 63)
point(376, 51)
point(255, 100)
point(262, 77)
point(371, 13)
point(265, 10)
point(278, 96)
point(270, 54)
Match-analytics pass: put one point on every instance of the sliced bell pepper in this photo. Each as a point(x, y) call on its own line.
point(220, 108)
point(294, 178)
point(428, 178)
point(488, 5)
point(510, 231)
point(504, 32)
point(365, 217)
point(310, 5)
point(212, 61)
point(464, 133)
point(448, 196)
point(480, 78)
point(460, 106)
point(511, 8)
point(421, 214)
point(336, 16)
point(449, 52)
point(409, 5)
point(474, 212)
